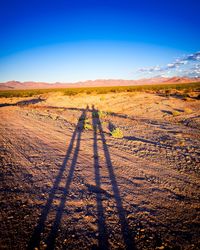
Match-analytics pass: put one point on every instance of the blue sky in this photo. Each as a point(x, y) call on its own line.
point(71, 40)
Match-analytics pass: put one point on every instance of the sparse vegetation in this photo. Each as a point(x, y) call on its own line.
point(99, 114)
point(80, 147)
point(117, 133)
point(176, 113)
point(102, 98)
point(159, 89)
point(86, 124)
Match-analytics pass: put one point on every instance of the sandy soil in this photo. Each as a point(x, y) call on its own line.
point(65, 187)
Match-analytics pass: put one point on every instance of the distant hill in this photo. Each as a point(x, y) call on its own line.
point(95, 83)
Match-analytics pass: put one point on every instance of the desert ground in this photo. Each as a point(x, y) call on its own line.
point(68, 183)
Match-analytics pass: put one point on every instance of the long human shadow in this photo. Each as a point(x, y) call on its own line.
point(126, 232)
point(103, 234)
point(36, 236)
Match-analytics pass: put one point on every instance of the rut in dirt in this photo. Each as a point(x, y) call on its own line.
point(73, 152)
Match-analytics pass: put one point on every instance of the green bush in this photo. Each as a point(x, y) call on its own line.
point(117, 133)
point(101, 114)
point(87, 125)
point(98, 114)
point(175, 113)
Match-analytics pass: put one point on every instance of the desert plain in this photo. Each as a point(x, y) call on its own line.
point(69, 182)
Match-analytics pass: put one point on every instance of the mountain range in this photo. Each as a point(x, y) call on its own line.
point(12, 85)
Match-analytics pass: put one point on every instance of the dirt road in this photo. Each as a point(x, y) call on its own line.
point(65, 187)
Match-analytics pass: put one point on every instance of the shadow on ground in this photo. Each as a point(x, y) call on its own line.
point(23, 103)
point(73, 154)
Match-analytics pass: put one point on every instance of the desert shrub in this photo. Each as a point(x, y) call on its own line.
point(88, 92)
point(87, 125)
point(104, 123)
point(101, 114)
point(175, 113)
point(104, 90)
point(102, 98)
point(117, 133)
point(98, 114)
point(70, 92)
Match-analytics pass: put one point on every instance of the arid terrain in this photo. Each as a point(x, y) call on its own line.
point(67, 183)
point(100, 83)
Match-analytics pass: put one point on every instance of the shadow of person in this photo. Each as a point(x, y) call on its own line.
point(103, 234)
point(36, 236)
point(111, 126)
point(125, 230)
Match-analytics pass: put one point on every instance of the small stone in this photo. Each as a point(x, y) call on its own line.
point(161, 248)
point(10, 217)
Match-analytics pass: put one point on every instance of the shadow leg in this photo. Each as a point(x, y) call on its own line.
point(103, 236)
point(127, 236)
point(36, 236)
point(54, 230)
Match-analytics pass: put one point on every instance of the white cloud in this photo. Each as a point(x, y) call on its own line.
point(182, 66)
point(193, 57)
